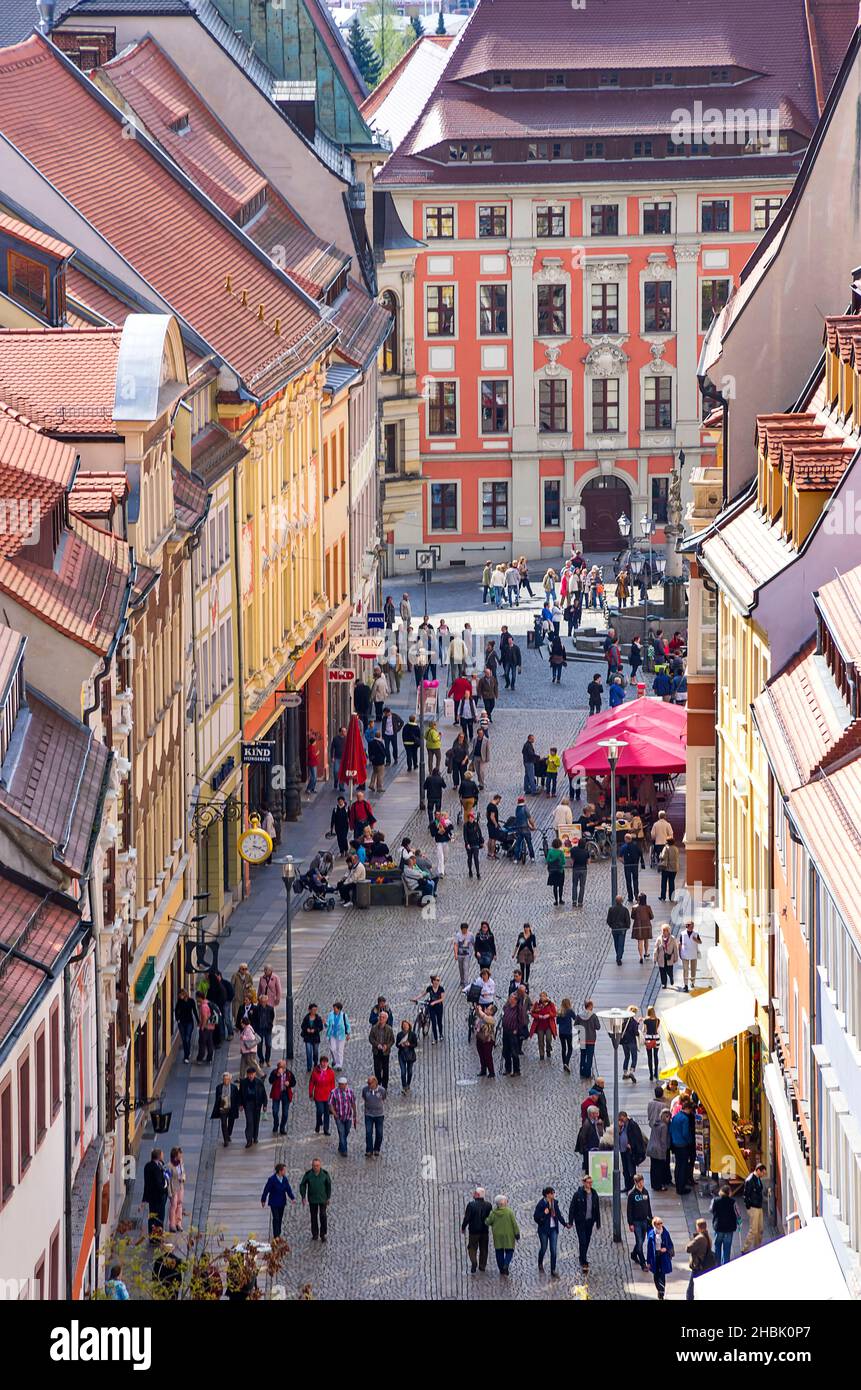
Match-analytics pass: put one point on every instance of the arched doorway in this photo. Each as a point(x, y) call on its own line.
point(603, 500)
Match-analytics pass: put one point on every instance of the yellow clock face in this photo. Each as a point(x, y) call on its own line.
point(255, 845)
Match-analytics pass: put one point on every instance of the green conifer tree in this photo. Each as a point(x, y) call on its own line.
point(364, 53)
point(440, 26)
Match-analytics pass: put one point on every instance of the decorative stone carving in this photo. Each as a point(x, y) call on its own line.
point(656, 441)
point(521, 256)
point(605, 358)
point(551, 352)
point(605, 271)
point(658, 267)
point(657, 364)
point(408, 276)
point(409, 355)
point(551, 273)
point(687, 251)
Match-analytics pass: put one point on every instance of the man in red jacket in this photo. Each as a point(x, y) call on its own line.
point(460, 690)
point(321, 1084)
point(360, 815)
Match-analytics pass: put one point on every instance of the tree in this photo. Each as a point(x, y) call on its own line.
point(386, 27)
point(440, 25)
point(365, 56)
point(418, 27)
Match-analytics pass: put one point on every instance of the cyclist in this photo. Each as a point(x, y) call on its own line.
point(435, 995)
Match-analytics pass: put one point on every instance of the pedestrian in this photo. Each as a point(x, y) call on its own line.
point(282, 1084)
point(652, 1041)
point(666, 955)
point(457, 758)
point(549, 1220)
point(669, 869)
point(690, 942)
point(661, 829)
point(497, 585)
point(312, 758)
point(265, 1022)
point(641, 925)
point(252, 1096)
point(503, 1225)
point(339, 825)
point(435, 995)
point(458, 655)
point(530, 758)
point(362, 701)
point(579, 868)
point(411, 737)
point(377, 760)
point(595, 691)
point(321, 1084)
point(548, 584)
point(557, 660)
point(565, 1029)
point(435, 785)
point(248, 1038)
point(406, 1043)
point(226, 1106)
point(185, 1013)
point(433, 747)
point(514, 1016)
point(659, 1254)
point(682, 1145)
point(726, 1221)
point(512, 585)
point(622, 590)
point(374, 1098)
point(524, 826)
point(360, 815)
point(207, 1022)
point(356, 873)
point(589, 1135)
point(316, 1189)
point(310, 1031)
point(511, 664)
point(632, 1147)
point(753, 1201)
point(485, 1038)
point(556, 871)
point(525, 951)
point(619, 922)
point(382, 1040)
point(342, 1108)
point(590, 1024)
point(379, 693)
point(156, 1190)
point(563, 820)
point(338, 1028)
point(635, 656)
point(468, 716)
point(486, 575)
point(495, 835)
point(523, 567)
point(658, 1147)
point(632, 860)
point(639, 1218)
point(336, 753)
point(480, 756)
point(485, 946)
point(269, 987)
point(552, 764)
point(584, 1214)
point(473, 843)
point(275, 1195)
point(488, 692)
point(629, 1040)
point(701, 1253)
point(474, 1226)
point(243, 986)
point(115, 1288)
point(544, 1025)
point(463, 945)
point(468, 791)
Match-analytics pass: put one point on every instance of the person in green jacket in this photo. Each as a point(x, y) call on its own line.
point(485, 582)
point(316, 1189)
point(503, 1224)
point(556, 871)
point(433, 744)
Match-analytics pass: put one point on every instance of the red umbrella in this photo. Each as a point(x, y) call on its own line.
point(655, 735)
point(354, 761)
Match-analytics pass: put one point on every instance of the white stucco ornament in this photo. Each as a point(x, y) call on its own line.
point(605, 358)
point(551, 352)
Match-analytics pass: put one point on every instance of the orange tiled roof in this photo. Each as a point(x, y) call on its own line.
point(22, 231)
point(828, 814)
point(38, 924)
point(839, 602)
point(91, 295)
point(842, 334)
point(63, 378)
point(11, 646)
point(97, 494)
point(798, 718)
point(27, 449)
point(190, 497)
point(363, 323)
point(819, 470)
point(248, 312)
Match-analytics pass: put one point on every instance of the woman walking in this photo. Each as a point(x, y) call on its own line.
point(565, 1030)
point(485, 1037)
point(226, 1106)
point(669, 869)
point(556, 871)
point(622, 590)
point(629, 1039)
point(406, 1043)
point(700, 1251)
point(442, 833)
point(666, 955)
point(176, 1175)
point(658, 1153)
point(523, 567)
point(659, 1254)
point(544, 1024)
point(474, 841)
point(339, 825)
point(525, 950)
point(506, 1233)
point(549, 584)
point(558, 659)
point(641, 925)
point(458, 756)
point(652, 1041)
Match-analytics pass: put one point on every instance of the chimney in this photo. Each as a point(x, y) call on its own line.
point(46, 15)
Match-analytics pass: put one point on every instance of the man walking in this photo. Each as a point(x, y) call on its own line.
point(316, 1189)
point(464, 943)
point(639, 1217)
point(633, 862)
point(579, 868)
point(524, 826)
point(690, 942)
point(435, 785)
point(474, 1223)
point(156, 1188)
point(336, 753)
point(343, 1108)
point(681, 1143)
point(514, 1016)
point(590, 1024)
point(276, 1194)
point(595, 690)
point(377, 759)
point(530, 758)
point(753, 1200)
point(374, 1100)
point(382, 1040)
point(410, 738)
point(619, 922)
point(584, 1215)
point(632, 1147)
point(488, 691)
point(548, 1218)
point(252, 1097)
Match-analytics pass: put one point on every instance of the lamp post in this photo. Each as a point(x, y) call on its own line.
point(647, 526)
point(288, 873)
point(614, 1021)
point(425, 560)
point(614, 747)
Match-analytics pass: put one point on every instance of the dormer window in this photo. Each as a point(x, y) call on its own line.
point(180, 124)
point(28, 283)
point(719, 75)
point(554, 79)
point(594, 149)
point(250, 210)
point(663, 78)
point(608, 79)
point(502, 79)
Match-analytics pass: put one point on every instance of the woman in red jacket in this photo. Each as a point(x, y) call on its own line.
point(543, 1023)
point(321, 1084)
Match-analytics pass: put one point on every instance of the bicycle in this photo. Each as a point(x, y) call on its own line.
point(422, 1021)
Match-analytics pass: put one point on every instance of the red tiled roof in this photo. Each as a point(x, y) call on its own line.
point(57, 785)
point(26, 449)
point(91, 295)
point(842, 334)
point(35, 923)
point(11, 647)
point(22, 231)
point(363, 323)
point(384, 89)
point(64, 378)
point(839, 602)
point(831, 25)
point(828, 814)
point(248, 312)
point(190, 497)
point(97, 495)
point(84, 596)
point(798, 718)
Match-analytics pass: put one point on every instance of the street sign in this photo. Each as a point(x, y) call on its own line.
point(258, 753)
point(291, 699)
point(358, 628)
point(340, 674)
point(376, 622)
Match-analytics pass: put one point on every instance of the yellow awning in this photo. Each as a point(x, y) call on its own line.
point(700, 1032)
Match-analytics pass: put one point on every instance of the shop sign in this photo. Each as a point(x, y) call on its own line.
point(258, 753)
point(339, 674)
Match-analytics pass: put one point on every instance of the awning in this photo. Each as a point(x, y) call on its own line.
point(654, 734)
point(804, 1260)
point(793, 1165)
point(700, 1032)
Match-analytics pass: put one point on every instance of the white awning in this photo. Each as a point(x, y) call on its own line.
point(804, 1260)
point(708, 1021)
point(793, 1160)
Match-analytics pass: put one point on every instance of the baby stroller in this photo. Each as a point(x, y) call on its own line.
point(314, 884)
point(509, 840)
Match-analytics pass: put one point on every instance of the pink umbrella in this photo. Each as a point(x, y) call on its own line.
point(654, 734)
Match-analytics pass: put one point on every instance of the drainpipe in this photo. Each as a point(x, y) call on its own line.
point(67, 1108)
point(240, 649)
point(812, 1030)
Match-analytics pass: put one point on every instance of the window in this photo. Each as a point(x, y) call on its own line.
point(439, 223)
point(390, 351)
point(493, 309)
point(502, 79)
point(663, 78)
point(494, 506)
point(604, 220)
point(714, 215)
point(551, 310)
point(552, 510)
point(642, 149)
point(660, 499)
point(656, 219)
point(554, 79)
point(443, 506)
point(553, 407)
point(659, 403)
point(658, 306)
point(560, 149)
point(442, 407)
point(28, 282)
point(7, 1171)
point(440, 311)
point(605, 308)
point(594, 149)
point(707, 794)
point(494, 407)
point(605, 405)
point(764, 212)
point(609, 79)
point(537, 149)
point(715, 294)
point(25, 1127)
point(392, 448)
point(550, 221)
point(54, 1029)
point(493, 220)
point(719, 75)
point(41, 1086)
point(481, 153)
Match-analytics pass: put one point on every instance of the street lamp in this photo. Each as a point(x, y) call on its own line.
point(624, 523)
point(614, 747)
point(288, 873)
point(614, 1021)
